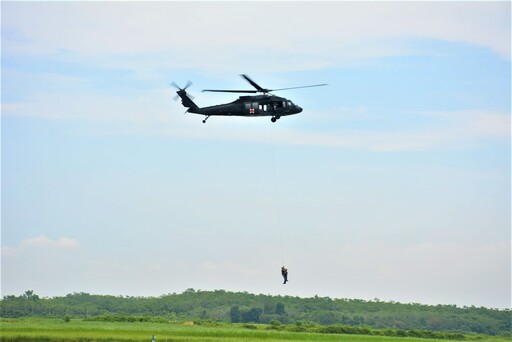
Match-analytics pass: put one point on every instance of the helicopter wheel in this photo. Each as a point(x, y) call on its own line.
point(273, 119)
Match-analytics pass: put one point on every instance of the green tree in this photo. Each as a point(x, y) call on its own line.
point(268, 308)
point(253, 315)
point(235, 315)
point(30, 295)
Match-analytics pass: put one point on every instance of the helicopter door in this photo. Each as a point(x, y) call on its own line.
point(248, 108)
point(263, 108)
point(251, 107)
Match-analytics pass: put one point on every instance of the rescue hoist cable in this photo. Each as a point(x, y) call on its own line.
point(277, 199)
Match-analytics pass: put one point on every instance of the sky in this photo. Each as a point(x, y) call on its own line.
point(393, 183)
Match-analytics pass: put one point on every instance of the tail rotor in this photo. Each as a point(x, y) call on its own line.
point(181, 91)
point(187, 100)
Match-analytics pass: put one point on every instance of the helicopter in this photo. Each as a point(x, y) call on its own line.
point(263, 104)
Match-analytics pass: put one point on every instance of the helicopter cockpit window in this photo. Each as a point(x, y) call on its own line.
point(279, 104)
point(289, 103)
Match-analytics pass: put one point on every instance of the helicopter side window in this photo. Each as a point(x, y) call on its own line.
point(263, 108)
point(279, 104)
point(247, 105)
point(255, 105)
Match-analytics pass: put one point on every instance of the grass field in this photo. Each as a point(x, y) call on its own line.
point(46, 329)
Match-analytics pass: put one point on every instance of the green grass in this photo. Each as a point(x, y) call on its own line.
point(46, 329)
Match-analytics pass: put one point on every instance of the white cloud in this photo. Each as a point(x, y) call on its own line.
point(42, 264)
point(152, 112)
point(302, 34)
point(8, 251)
point(42, 241)
point(174, 35)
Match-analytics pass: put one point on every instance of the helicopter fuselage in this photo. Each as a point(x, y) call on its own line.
point(257, 105)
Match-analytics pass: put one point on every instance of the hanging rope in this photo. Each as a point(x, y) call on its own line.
point(277, 199)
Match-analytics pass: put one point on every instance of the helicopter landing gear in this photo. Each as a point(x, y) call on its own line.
point(204, 121)
point(275, 118)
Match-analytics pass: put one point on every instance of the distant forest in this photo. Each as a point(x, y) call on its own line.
point(238, 307)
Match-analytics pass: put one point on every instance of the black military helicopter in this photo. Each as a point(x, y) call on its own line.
point(263, 104)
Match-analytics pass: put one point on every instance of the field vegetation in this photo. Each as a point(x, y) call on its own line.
point(53, 329)
point(232, 315)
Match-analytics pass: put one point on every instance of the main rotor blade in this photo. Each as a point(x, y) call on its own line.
point(230, 91)
point(175, 85)
point(254, 84)
point(308, 86)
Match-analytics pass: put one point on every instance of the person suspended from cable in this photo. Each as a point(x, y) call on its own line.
point(284, 273)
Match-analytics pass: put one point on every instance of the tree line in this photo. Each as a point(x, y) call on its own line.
point(243, 307)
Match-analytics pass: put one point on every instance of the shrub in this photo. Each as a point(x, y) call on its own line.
point(275, 323)
point(250, 326)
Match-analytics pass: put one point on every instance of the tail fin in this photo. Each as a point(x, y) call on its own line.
point(185, 98)
point(186, 101)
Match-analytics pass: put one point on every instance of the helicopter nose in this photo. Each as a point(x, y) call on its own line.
point(299, 109)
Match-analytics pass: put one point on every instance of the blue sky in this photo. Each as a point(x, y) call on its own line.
point(393, 183)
